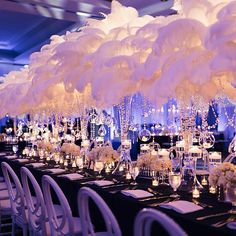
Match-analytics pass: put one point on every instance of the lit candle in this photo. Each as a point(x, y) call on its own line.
point(121, 168)
point(79, 162)
point(107, 170)
point(212, 190)
point(196, 193)
point(65, 163)
point(128, 175)
point(204, 181)
point(155, 182)
point(74, 164)
point(48, 158)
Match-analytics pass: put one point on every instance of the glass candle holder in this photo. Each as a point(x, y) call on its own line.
point(196, 193)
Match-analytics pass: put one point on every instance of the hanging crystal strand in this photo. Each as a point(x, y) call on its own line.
point(125, 159)
point(92, 124)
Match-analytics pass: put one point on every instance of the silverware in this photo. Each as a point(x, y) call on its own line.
point(153, 198)
point(159, 203)
point(114, 185)
point(224, 222)
point(212, 215)
point(201, 203)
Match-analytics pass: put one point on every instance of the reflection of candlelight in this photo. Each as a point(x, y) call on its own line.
point(196, 193)
point(204, 181)
point(212, 190)
point(128, 175)
point(155, 182)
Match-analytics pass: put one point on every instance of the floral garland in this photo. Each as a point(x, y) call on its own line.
point(223, 174)
point(154, 163)
point(105, 153)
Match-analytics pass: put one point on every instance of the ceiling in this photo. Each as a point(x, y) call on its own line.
point(26, 25)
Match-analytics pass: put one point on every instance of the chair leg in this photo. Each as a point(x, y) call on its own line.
point(13, 228)
point(25, 230)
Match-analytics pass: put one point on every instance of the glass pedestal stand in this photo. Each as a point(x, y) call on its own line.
point(188, 170)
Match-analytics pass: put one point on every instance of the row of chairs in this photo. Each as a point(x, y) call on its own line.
point(33, 210)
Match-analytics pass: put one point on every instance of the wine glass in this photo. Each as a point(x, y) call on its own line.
point(134, 171)
point(15, 149)
point(231, 196)
point(175, 181)
point(99, 165)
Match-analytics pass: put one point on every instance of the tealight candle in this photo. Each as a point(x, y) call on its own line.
point(196, 193)
point(79, 162)
point(212, 190)
point(107, 170)
point(74, 164)
point(48, 158)
point(155, 182)
point(128, 175)
point(66, 163)
point(121, 168)
point(204, 181)
point(61, 161)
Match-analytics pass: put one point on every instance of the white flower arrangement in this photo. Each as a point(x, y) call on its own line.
point(223, 174)
point(105, 153)
point(154, 163)
point(45, 145)
point(70, 148)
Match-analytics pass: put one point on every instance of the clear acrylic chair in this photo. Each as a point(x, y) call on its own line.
point(66, 225)
point(17, 199)
point(112, 226)
point(35, 204)
point(145, 218)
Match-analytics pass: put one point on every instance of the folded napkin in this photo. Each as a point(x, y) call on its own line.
point(101, 182)
point(73, 176)
point(181, 206)
point(137, 193)
point(56, 171)
point(22, 160)
point(37, 165)
point(10, 157)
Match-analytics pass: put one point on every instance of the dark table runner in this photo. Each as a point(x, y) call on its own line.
point(126, 208)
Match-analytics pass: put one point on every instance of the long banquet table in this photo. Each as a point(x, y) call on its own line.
point(125, 208)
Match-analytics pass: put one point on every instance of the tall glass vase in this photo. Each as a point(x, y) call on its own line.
point(125, 158)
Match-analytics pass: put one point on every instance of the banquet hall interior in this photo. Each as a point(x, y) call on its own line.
point(117, 117)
